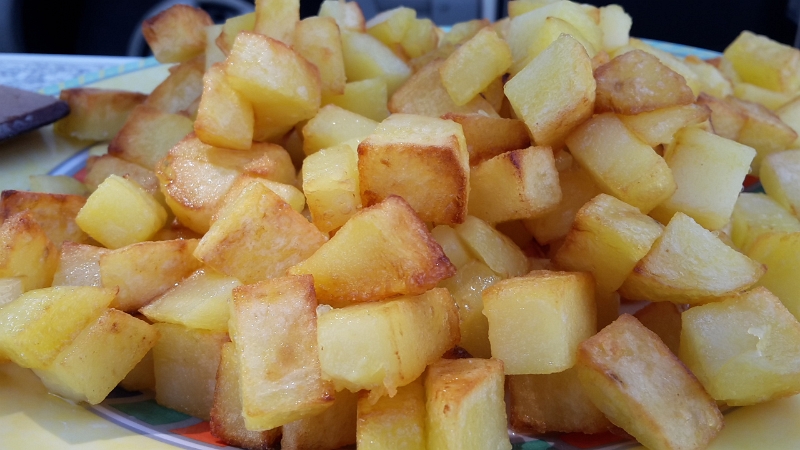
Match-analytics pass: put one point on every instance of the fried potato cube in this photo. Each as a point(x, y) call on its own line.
point(789, 113)
point(519, 184)
point(54, 213)
point(493, 248)
point(420, 38)
point(198, 301)
point(778, 179)
point(689, 264)
point(555, 92)
point(277, 237)
point(755, 94)
point(764, 62)
point(615, 24)
point(658, 127)
point(744, 348)
point(474, 65)
point(383, 251)
point(232, 27)
point(39, 324)
point(689, 156)
point(424, 94)
point(96, 114)
point(381, 346)
point(180, 92)
point(120, 213)
point(637, 82)
point(633, 378)
point(607, 238)
point(393, 422)
point(213, 54)
point(90, 366)
point(288, 193)
point(227, 422)
point(177, 34)
point(755, 215)
point(488, 137)
point(537, 321)
point(148, 135)
point(330, 183)
point(318, 40)
point(711, 79)
point(764, 131)
point(463, 31)
point(283, 87)
point(225, 117)
point(620, 163)
point(555, 402)
point(274, 326)
point(145, 270)
point(422, 159)
point(390, 26)
point(27, 252)
point(366, 57)
point(778, 251)
point(98, 168)
point(334, 125)
point(466, 394)
point(547, 33)
point(79, 265)
point(348, 15)
point(57, 184)
point(185, 362)
point(142, 377)
point(455, 250)
point(663, 319)
point(366, 97)
point(666, 58)
point(277, 19)
point(331, 429)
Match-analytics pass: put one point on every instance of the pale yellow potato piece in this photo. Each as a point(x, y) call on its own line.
point(148, 134)
point(334, 125)
point(420, 38)
point(331, 185)
point(180, 92)
point(789, 113)
point(96, 114)
point(493, 248)
point(54, 213)
point(488, 137)
point(366, 57)
point(232, 27)
point(658, 127)
point(756, 94)
point(366, 97)
point(474, 65)
point(98, 168)
point(663, 319)
point(764, 62)
point(711, 79)
point(455, 250)
point(27, 252)
point(177, 34)
point(79, 265)
point(225, 117)
point(393, 422)
point(615, 24)
point(348, 15)
point(755, 215)
point(277, 19)
point(778, 251)
point(333, 428)
point(779, 180)
point(391, 26)
point(318, 40)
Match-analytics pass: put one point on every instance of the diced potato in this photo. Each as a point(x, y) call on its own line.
point(454, 249)
point(779, 180)
point(98, 168)
point(185, 362)
point(620, 163)
point(744, 348)
point(274, 326)
point(331, 186)
point(148, 134)
point(466, 394)
point(666, 58)
point(79, 265)
point(232, 27)
point(537, 321)
point(367, 97)
point(57, 184)
point(381, 346)
point(96, 114)
point(474, 65)
point(331, 429)
point(54, 213)
point(120, 213)
point(663, 319)
point(488, 137)
point(288, 193)
point(546, 34)
point(10, 289)
point(142, 377)
point(706, 196)
point(764, 62)
point(99, 358)
point(177, 34)
point(778, 251)
point(225, 117)
point(633, 378)
point(318, 40)
point(180, 92)
point(391, 26)
point(393, 422)
point(770, 99)
point(277, 19)
point(789, 113)
point(422, 159)
point(711, 79)
point(615, 24)
point(39, 324)
point(366, 57)
point(689, 264)
point(420, 38)
point(555, 92)
point(27, 252)
point(213, 54)
point(277, 237)
point(334, 125)
point(348, 15)
point(757, 214)
point(659, 126)
point(493, 248)
point(462, 31)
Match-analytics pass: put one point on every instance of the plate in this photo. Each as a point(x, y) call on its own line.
point(32, 418)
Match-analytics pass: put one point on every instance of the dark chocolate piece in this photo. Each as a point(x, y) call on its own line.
point(22, 111)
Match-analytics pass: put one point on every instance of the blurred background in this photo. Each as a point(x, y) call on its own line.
point(102, 27)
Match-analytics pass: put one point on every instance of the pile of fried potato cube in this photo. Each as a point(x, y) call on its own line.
point(324, 232)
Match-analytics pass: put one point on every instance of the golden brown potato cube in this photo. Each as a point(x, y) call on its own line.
point(177, 34)
point(764, 62)
point(689, 156)
point(331, 429)
point(277, 18)
point(334, 125)
point(518, 184)
point(637, 82)
point(39, 324)
point(185, 362)
point(620, 163)
point(157, 265)
point(274, 326)
point(779, 180)
point(659, 126)
point(54, 213)
point(99, 358)
point(381, 346)
point(277, 237)
point(348, 15)
point(224, 117)
point(537, 321)
point(181, 90)
point(383, 251)
point(466, 394)
point(554, 402)
point(79, 265)
point(663, 319)
point(227, 422)
point(424, 94)
point(390, 26)
point(778, 251)
point(288, 193)
point(330, 183)
point(27, 252)
point(318, 40)
point(488, 137)
point(366, 97)
point(633, 378)
point(422, 159)
point(232, 27)
point(607, 239)
point(689, 264)
point(366, 57)
point(98, 168)
point(555, 92)
point(474, 65)
point(757, 214)
point(96, 114)
point(421, 37)
point(393, 422)
point(744, 348)
point(148, 135)
point(668, 59)
point(120, 213)
point(493, 248)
